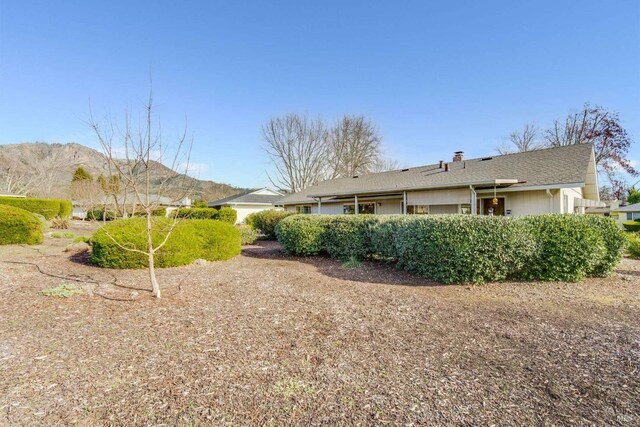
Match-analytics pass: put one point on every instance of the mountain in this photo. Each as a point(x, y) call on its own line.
point(45, 170)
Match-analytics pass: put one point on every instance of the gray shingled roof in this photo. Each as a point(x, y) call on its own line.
point(629, 208)
point(250, 198)
point(550, 166)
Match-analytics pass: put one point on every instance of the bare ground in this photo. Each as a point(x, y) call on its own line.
point(265, 339)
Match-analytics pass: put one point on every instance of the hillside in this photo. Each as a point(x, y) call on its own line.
point(45, 170)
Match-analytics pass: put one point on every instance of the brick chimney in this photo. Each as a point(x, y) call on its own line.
point(458, 156)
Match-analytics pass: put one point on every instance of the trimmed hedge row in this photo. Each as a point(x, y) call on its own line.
point(265, 222)
point(631, 225)
point(465, 249)
point(18, 226)
point(191, 239)
point(48, 208)
point(225, 214)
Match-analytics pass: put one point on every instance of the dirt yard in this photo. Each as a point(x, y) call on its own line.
point(265, 339)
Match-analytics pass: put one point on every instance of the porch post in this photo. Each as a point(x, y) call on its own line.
point(474, 201)
point(357, 211)
point(319, 204)
point(404, 202)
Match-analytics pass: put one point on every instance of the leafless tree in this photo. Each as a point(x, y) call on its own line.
point(354, 146)
point(132, 154)
point(49, 171)
point(525, 139)
point(385, 164)
point(297, 145)
point(16, 182)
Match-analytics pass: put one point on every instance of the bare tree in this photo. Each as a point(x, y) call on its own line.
point(132, 155)
point(49, 171)
point(297, 146)
point(610, 141)
point(16, 182)
point(525, 139)
point(354, 146)
point(384, 165)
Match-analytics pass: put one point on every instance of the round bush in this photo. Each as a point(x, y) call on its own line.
point(191, 239)
point(46, 207)
point(228, 215)
point(614, 243)
point(464, 249)
point(631, 225)
point(265, 221)
point(18, 226)
point(303, 234)
point(248, 234)
point(569, 248)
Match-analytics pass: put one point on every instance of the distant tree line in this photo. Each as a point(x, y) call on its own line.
point(305, 150)
point(594, 125)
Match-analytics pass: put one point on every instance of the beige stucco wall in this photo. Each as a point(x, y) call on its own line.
point(245, 210)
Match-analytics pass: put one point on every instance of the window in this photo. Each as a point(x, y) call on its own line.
point(303, 209)
point(465, 209)
point(363, 208)
point(417, 209)
point(629, 216)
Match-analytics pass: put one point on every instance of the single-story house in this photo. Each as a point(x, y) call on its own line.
point(626, 213)
point(551, 180)
point(248, 203)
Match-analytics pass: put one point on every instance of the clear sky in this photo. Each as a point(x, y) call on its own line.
point(435, 76)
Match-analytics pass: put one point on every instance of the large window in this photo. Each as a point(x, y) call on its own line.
point(303, 209)
point(363, 208)
point(417, 209)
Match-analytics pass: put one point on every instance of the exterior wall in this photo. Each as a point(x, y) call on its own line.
point(389, 207)
point(439, 197)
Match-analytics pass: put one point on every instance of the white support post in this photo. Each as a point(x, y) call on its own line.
point(474, 201)
point(357, 211)
point(319, 204)
point(404, 202)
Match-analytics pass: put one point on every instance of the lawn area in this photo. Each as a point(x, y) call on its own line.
point(267, 339)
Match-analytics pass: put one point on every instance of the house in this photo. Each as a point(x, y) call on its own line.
point(248, 203)
point(552, 180)
point(626, 213)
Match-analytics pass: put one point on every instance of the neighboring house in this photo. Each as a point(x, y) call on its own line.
point(626, 213)
point(248, 203)
point(552, 180)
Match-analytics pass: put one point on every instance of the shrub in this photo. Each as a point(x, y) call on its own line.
point(633, 245)
point(248, 234)
point(569, 248)
point(347, 236)
point(463, 249)
point(45, 207)
point(100, 214)
point(159, 212)
point(65, 235)
point(191, 239)
point(383, 232)
point(228, 215)
point(265, 221)
point(614, 243)
point(66, 209)
point(59, 223)
point(196, 213)
point(303, 234)
point(17, 226)
point(631, 225)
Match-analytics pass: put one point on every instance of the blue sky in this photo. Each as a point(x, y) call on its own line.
point(435, 76)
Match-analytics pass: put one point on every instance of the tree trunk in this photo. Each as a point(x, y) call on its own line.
point(152, 271)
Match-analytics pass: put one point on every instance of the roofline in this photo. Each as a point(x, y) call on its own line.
point(543, 187)
point(240, 203)
point(499, 181)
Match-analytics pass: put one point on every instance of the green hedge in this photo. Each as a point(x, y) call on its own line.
point(18, 226)
point(190, 240)
point(248, 234)
point(66, 209)
point(196, 213)
point(465, 249)
point(631, 225)
point(48, 208)
point(265, 222)
point(228, 215)
point(100, 214)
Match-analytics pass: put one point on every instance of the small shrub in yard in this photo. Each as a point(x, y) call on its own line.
point(248, 234)
point(62, 291)
point(45, 207)
point(614, 244)
point(66, 209)
point(303, 234)
point(265, 221)
point(59, 235)
point(101, 215)
point(191, 239)
point(633, 245)
point(228, 215)
point(351, 263)
point(17, 226)
point(631, 225)
point(60, 223)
